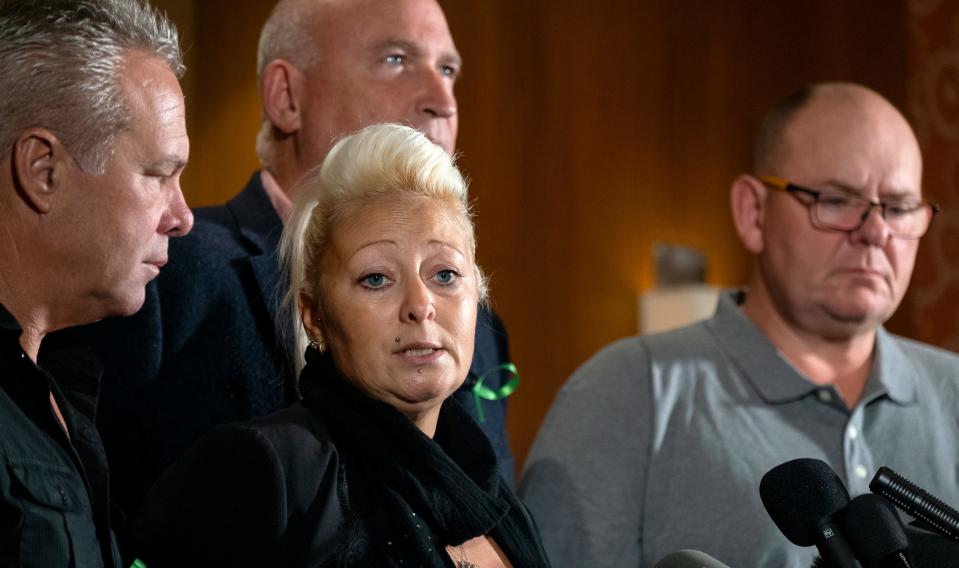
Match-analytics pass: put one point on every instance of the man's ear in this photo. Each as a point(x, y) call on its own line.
point(747, 196)
point(281, 88)
point(38, 167)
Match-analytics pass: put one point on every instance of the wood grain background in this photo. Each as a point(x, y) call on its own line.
point(591, 130)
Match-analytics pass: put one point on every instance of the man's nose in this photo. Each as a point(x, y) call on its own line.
point(874, 230)
point(437, 98)
point(178, 219)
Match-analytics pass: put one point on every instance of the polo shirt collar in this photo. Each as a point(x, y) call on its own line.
point(778, 381)
point(892, 374)
point(764, 366)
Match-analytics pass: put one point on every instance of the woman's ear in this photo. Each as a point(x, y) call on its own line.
point(747, 197)
point(310, 316)
point(39, 160)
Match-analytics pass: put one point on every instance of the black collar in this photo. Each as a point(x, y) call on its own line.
point(413, 492)
point(8, 322)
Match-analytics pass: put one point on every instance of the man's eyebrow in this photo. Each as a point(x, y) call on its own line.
point(838, 185)
point(900, 194)
point(169, 161)
point(884, 195)
point(400, 44)
point(453, 58)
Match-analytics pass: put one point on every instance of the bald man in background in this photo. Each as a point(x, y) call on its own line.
point(658, 443)
point(208, 347)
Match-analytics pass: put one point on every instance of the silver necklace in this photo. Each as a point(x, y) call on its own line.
point(464, 561)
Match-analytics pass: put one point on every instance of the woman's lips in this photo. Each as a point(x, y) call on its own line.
point(420, 353)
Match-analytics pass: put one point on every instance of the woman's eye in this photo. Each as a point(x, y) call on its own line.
point(394, 59)
point(445, 276)
point(376, 280)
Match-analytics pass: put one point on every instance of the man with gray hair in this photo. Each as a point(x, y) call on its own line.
point(207, 347)
point(93, 138)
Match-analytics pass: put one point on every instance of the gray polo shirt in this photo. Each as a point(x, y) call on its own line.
point(658, 443)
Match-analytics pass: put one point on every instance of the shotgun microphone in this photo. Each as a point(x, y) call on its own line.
point(913, 500)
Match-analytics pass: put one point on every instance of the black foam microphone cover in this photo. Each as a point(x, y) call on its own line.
point(873, 529)
point(932, 550)
point(799, 494)
point(802, 496)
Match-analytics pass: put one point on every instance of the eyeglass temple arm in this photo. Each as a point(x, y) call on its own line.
point(774, 181)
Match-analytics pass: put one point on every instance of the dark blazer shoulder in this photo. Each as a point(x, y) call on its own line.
point(244, 226)
point(271, 483)
point(491, 326)
point(299, 440)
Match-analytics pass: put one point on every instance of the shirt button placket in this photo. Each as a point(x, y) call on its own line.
point(857, 458)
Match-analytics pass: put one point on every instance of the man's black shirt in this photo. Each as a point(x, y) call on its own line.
point(54, 502)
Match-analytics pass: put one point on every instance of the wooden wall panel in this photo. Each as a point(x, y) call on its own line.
point(592, 130)
point(223, 108)
point(931, 307)
point(589, 130)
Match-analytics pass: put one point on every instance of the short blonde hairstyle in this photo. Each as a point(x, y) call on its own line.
point(380, 161)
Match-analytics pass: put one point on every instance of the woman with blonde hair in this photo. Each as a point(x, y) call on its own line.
point(376, 465)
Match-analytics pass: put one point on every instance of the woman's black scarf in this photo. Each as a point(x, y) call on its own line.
point(410, 496)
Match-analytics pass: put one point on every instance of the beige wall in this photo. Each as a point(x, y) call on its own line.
point(589, 130)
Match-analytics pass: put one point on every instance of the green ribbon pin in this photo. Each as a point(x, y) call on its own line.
point(482, 392)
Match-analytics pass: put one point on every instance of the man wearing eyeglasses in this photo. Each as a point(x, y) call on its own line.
point(658, 443)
